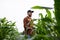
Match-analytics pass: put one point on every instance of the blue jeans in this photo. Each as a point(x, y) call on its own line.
point(28, 36)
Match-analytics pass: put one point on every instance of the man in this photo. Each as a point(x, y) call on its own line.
point(27, 23)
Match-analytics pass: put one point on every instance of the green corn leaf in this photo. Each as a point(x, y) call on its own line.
point(41, 15)
point(37, 7)
point(41, 7)
point(48, 13)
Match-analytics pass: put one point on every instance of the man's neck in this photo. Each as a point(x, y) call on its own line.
point(29, 16)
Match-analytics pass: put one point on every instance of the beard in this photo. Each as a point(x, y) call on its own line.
point(29, 15)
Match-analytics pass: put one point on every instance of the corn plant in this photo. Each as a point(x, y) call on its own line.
point(57, 15)
point(7, 30)
point(45, 26)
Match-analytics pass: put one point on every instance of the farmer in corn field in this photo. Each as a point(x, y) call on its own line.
point(27, 23)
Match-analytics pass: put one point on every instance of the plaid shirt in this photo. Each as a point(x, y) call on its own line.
point(26, 22)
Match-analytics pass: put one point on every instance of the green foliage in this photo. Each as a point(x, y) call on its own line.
point(57, 14)
point(48, 13)
point(7, 30)
point(37, 7)
point(45, 26)
point(40, 7)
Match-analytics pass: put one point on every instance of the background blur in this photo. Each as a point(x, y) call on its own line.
point(16, 10)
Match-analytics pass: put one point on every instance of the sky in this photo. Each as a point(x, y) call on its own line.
point(16, 10)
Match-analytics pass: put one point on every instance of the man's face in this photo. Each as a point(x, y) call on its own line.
point(29, 14)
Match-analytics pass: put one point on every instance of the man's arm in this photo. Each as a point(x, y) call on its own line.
point(24, 21)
